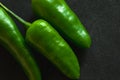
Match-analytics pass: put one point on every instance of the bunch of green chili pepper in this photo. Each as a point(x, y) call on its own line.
point(41, 35)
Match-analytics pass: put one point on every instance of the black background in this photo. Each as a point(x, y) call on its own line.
point(100, 62)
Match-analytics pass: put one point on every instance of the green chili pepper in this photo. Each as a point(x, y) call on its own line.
point(42, 36)
point(11, 39)
point(63, 19)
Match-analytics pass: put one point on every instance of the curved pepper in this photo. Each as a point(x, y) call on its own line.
point(11, 39)
point(58, 13)
point(46, 39)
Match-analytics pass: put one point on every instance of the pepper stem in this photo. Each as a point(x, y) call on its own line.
point(27, 24)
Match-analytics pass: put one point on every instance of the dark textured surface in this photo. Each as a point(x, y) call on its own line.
point(100, 62)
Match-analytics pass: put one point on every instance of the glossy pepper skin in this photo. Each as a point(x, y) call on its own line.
point(46, 39)
point(58, 13)
point(13, 41)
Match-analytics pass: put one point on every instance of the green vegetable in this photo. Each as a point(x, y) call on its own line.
point(42, 36)
point(63, 19)
point(13, 41)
